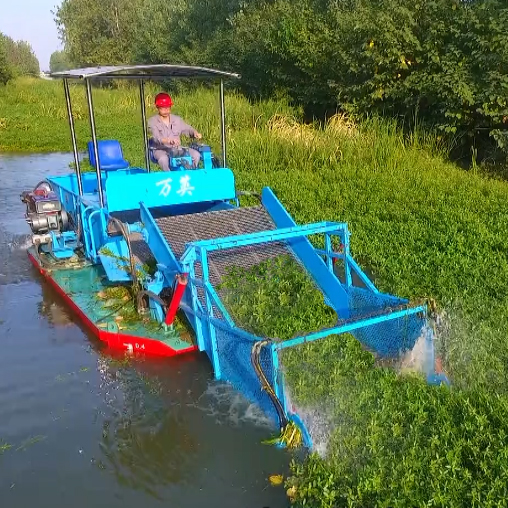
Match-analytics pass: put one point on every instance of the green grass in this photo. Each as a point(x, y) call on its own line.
point(422, 226)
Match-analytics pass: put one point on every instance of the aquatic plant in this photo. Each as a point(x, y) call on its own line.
point(392, 438)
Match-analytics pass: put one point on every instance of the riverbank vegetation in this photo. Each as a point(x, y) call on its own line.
point(441, 64)
point(420, 224)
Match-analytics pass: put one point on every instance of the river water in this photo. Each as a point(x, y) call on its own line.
point(83, 426)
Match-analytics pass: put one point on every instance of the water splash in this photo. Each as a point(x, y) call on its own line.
point(226, 404)
point(15, 266)
point(20, 243)
point(318, 421)
point(420, 359)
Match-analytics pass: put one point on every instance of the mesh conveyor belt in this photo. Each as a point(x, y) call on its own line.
point(140, 250)
point(182, 229)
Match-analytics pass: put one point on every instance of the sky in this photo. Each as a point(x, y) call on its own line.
point(32, 21)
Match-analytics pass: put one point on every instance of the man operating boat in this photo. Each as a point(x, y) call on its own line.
point(166, 129)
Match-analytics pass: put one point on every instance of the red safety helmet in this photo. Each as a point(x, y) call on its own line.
point(163, 100)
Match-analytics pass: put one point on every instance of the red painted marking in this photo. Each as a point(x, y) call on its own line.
point(113, 339)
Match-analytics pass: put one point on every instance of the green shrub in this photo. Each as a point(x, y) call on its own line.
point(443, 62)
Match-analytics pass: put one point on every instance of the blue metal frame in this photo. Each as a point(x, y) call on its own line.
point(209, 311)
point(349, 327)
point(125, 192)
point(126, 188)
point(311, 258)
point(277, 235)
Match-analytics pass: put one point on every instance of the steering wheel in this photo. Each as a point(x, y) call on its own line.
point(182, 150)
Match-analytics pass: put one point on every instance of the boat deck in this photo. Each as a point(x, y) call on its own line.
point(81, 284)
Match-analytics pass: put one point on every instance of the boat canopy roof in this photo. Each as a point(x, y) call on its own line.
point(143, 71)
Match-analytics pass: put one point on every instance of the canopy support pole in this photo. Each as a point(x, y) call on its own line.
point(143, 122)
point(73, 135)
point(223, 123)
point(94, 141)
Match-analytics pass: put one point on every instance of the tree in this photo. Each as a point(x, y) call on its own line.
point(19, 56)
point(181, 32)
point(444, 62)
point(24, 60)
point(5, 67)
point(98, 32)
point(59, 61)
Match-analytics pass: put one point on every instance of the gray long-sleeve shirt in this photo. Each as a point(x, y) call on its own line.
point(159, 130)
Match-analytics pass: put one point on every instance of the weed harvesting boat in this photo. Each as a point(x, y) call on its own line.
point(131, 249)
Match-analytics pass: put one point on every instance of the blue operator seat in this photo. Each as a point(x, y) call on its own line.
point(110, 155)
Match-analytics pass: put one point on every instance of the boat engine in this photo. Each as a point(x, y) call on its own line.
point(44, 213)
